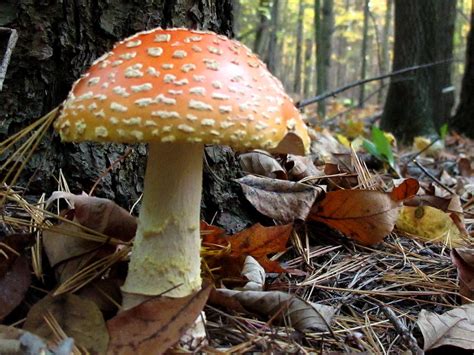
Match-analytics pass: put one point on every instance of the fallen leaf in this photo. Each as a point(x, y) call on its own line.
point(218, 299)
point(13, 244)
point(454, 328)
point(407, 189)
point(254, 273)
point(450, 204)
point(366, 216)
point(465, 167)
point(257, 241)
point(61, 243)
point(105, 293)
point(281, 200)
point(13, 285)
point(79, 318)
point(210, 231)
point(298, 313)
point(463, 260)
point(155, 325)
point(300, 167)
point(260, 162)
point(68, 252)
point(100, 214)
point(430, 224)
point(325, 145)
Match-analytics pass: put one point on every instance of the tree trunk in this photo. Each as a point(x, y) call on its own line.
point(273, 54)
point(385, 55)
point(308, 69)
point(363, 55)
point(463, 121)
point(415, 102)
point(299, 50)
point(58, 41)
point(261, 32)
point(324, 26)
point(236, 15)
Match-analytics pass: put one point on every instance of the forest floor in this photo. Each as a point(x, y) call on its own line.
point(370, 250)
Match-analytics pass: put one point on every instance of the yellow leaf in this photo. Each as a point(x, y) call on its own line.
point(430, 224)
point(343, 140)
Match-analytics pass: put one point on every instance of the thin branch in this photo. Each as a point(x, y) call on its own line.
point(324, 96)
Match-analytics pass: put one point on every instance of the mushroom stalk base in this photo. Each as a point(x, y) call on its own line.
point(166, 251)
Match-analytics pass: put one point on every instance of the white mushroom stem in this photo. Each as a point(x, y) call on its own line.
point(166, 249)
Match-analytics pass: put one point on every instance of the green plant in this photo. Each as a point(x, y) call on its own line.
point(380, 147)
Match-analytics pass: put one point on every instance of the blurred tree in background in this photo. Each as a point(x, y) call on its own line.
point(332, 43)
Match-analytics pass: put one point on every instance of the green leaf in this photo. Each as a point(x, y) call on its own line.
point(383, 145)
point(443, 131)
point(372, 149)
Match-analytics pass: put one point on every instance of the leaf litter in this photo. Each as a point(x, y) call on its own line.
point(349, 260)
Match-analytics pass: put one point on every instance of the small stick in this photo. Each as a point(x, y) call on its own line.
point(434, 178)
point(325, 95)
point(401, 328)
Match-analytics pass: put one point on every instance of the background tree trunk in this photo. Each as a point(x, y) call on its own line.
point(385, 55)
point(363, 54)
point(299, 50)
point(261, 32)
point(308, 66)
point(57, 42)
point(273, 53)
point(415, 102)
point(324, 26)
point(463, 121)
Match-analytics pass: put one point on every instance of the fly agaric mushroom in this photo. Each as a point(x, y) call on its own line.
point(178, 89)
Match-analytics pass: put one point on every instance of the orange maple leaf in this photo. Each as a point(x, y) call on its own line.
point(257, 241)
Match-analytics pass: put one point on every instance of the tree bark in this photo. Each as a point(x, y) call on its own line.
point(463, 121)
point(415, 102)
point(57, 42)
point(385, 55)
point(273, 54)
point(261, 33)
point(299, 50)
point(308, 69)
point(363, 55)
point(324, 26)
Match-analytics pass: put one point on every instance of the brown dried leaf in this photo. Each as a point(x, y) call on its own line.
point(463, 260)
point(14, 244)
point(154, 326)
point(408, 188)
point(105, 293)
point(101, 215)
point(454, 328)
point(300, 167)
point(262, 163)
point(79, 318)
point(300, 314)
point(281, 200)
point(257, 241)
point(13, 285)
point(60, 245)
point(465, 167)
point(450, 204)
point(366, 216)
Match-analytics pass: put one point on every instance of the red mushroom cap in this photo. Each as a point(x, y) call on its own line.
point(179, 85)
